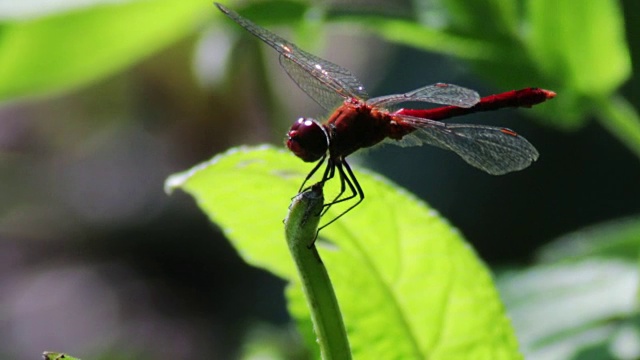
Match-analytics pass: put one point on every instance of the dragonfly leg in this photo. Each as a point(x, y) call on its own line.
point(343, 181)
point(346, 177)
point(313, 171)
point(354, 186)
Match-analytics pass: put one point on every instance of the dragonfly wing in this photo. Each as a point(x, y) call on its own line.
point(440, 93)
point(495, 150)
point(317, 77)
point(326, 83)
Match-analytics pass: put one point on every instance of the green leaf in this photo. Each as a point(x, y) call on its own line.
point(561, 310)
point(486, 19)
point(66, 50)
point(246, 192)
point(582, 298)
point(616, 239)
point(580, 45)
point(47, 355)
point(622, 120)
point(306, 21)
point(410, 33)
point(26, 9)
point(274, 12)
point(408, 285)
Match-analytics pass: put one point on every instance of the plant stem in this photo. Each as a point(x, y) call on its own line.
point(301, 225)
point(621, 119)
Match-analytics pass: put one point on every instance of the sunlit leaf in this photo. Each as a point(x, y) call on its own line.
point(306, 21)
point(273, 12)
point(48, 355)
point(410, 33)
point(561, 310)
point(618, 239)
point(408, 285)
point(582, 299)
point(488, 19)
point(29, 9)
point(582, 46)
point(69, 49)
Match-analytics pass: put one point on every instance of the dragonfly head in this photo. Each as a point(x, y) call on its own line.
point(308, 139)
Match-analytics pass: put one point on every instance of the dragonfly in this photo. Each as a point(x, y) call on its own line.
point(357, 121)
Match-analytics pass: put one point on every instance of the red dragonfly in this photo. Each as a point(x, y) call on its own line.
point(358, 122)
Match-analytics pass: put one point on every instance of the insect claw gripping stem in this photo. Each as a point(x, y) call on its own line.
point(346, 177)
point(313, 242)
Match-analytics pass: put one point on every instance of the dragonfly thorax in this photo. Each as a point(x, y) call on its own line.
point(308, 139)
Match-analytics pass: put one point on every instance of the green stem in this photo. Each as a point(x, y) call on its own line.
point(621, 119)
point(301, 225)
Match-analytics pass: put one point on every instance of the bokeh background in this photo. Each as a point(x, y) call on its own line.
point(102, 100)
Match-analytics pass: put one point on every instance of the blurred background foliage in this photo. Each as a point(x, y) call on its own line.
point(102, 100)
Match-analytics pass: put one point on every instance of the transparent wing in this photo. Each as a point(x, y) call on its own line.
point(325, 82)
point(493, 149)
point(440, 93)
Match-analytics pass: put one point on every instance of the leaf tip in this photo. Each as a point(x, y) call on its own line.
point(175, 181)
point(178, 180)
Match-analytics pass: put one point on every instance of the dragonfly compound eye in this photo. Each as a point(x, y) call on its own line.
point(307, 139)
